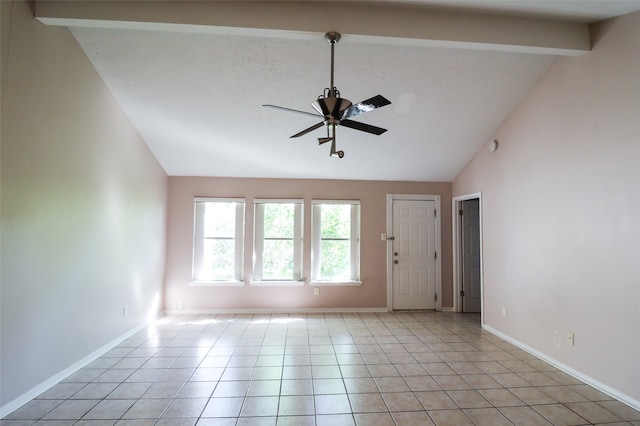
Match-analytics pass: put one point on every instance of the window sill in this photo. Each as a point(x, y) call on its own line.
point(335, 283)
point(217, 283)
point(276, 283)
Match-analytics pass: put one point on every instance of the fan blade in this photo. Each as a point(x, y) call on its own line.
point(365, 106)
point(363, 127)
point(310, 129)
point(313, 114)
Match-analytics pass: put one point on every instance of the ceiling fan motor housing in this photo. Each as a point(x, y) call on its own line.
point(331, 107)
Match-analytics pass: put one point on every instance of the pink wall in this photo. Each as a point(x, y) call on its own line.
point(83, 210)
point(560, 202)
point(372, 293)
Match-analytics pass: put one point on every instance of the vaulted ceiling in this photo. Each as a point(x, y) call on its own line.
point(192, 77)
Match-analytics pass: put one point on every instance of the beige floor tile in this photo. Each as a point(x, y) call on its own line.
point(435, 400)
point(257, 421)
point(328, 386)
point(367, 403)
point(383, 370)
point(537, 378)
point(185, 408)
point(510, 380)
point(524, 416)
point(335, 420)
point(391, 384)
point(500, 397)
point(197, 390)
point(590, 393)
point(406, 370)
point(296, 421)
point(70, 409)
point(491, 367)
point(452, 382)
point(480, 381)
point(147, 409)
point(468, 398)
point(438, 368)
point(260, 406)
point(360, 385)
point(562, 394)
point(377, 419)
point(296, 387)
point(402, 401)
point(412, 418)
point(621, 410)
point(223, 407)
point(532, 396)
point(464, 368)
point(111, 409)
point(559, 415)
point(264, 388)
point(332, 404)
point(422, 383)
point(487, 417)
point(450, 418)
point(230, 389)
point(298, 405)
point(593, 412)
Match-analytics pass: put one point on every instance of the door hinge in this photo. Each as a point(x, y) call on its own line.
point(435, 255)
point(435, 213)
point(436, 297)
point(460, 212)
point(462, 293)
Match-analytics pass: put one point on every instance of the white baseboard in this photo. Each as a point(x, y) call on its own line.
point(624, 398)
point(55, 379)
point(272, 311)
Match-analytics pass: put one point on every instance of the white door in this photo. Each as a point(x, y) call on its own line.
point(471, 256)
point(414, 254)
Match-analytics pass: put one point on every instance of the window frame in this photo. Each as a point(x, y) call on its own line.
point(316, 241)
point(199, 204)
point(258, 242)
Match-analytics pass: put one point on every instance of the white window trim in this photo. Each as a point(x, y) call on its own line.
point(198, 243)
point(355, 243)
point(220, 283)
point(258, 243)
point(277, 283)
point(335, 283)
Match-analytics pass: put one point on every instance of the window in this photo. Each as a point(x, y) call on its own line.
point(278, 240)
point(335, 241)
point(218, 239)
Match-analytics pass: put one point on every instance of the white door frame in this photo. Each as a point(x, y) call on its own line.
point(416, 197)
point(457, 250)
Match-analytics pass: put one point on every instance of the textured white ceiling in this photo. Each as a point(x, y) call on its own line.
point(196, 99)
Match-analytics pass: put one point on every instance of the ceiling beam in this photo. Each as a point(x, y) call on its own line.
point(365, 22)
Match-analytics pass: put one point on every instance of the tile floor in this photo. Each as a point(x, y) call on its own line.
point(401, 368)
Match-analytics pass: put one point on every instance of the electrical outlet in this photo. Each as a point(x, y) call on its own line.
point(174, 305)
point(383, 237)
point(556, 339)
point(125, 310)
point(316, 291)
point(570, 338)
point(504, 312)
point(181, 304)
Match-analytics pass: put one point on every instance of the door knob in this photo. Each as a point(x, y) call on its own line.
point(395, 262)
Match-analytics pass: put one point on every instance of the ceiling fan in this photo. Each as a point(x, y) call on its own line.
point(336, 111)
